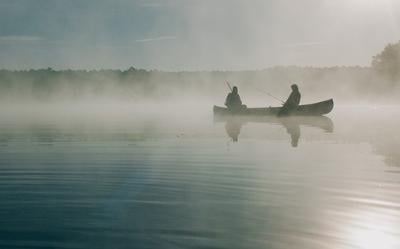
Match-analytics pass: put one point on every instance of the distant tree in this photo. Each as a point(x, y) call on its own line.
point(387, 63)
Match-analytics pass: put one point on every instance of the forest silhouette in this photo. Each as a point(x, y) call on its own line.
point(380, 80)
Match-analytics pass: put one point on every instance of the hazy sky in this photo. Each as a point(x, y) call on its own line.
point(194, 34)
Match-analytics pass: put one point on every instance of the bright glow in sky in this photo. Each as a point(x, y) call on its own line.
point(194, 34)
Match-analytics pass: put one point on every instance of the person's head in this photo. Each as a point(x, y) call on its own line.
point(235, 90)
point(294, 87)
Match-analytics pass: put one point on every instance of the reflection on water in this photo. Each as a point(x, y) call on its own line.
point(234, 124)
point(293, 128)
point(233, 127)
point(159, 182)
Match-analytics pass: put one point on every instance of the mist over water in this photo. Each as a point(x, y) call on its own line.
point(151, 175)
point(108, 137)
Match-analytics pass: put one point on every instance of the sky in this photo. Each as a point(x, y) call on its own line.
point(177, 35)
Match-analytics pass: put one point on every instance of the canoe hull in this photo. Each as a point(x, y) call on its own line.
point(316, 109)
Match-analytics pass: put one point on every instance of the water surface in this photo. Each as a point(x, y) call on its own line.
point(135, 180)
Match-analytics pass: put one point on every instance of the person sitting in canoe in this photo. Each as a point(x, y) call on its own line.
point(233, 101)
point(292, 102)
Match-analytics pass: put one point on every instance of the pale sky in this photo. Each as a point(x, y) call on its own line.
point(194, 34)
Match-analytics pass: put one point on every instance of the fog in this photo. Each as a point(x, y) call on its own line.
point(145, 90)
point(109, 139)
point(180, 35)
point(182, 52)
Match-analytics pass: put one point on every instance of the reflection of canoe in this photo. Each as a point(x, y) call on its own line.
point(321, 122)
point(315, 109)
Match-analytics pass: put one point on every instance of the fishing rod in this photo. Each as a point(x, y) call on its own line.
point(283, 102)
point(227, 83)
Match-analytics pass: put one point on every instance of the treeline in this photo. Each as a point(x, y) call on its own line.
point(387, 63)
point(380, 81)
point(48, 84)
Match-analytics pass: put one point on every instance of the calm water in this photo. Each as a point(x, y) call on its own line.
point(131, 180)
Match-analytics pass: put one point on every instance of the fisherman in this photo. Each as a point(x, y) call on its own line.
point(292, 102)
point(233, 101)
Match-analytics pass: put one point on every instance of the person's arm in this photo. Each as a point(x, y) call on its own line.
point(298, 99)
point(289, 100)
point(228, 99)
point(295, 99)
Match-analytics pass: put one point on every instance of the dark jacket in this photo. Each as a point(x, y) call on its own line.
point(293, 101)
point(233, 100)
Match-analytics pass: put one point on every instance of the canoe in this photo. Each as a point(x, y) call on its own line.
point(315, 109)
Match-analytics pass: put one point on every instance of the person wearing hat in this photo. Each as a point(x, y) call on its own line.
point(292, 102)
